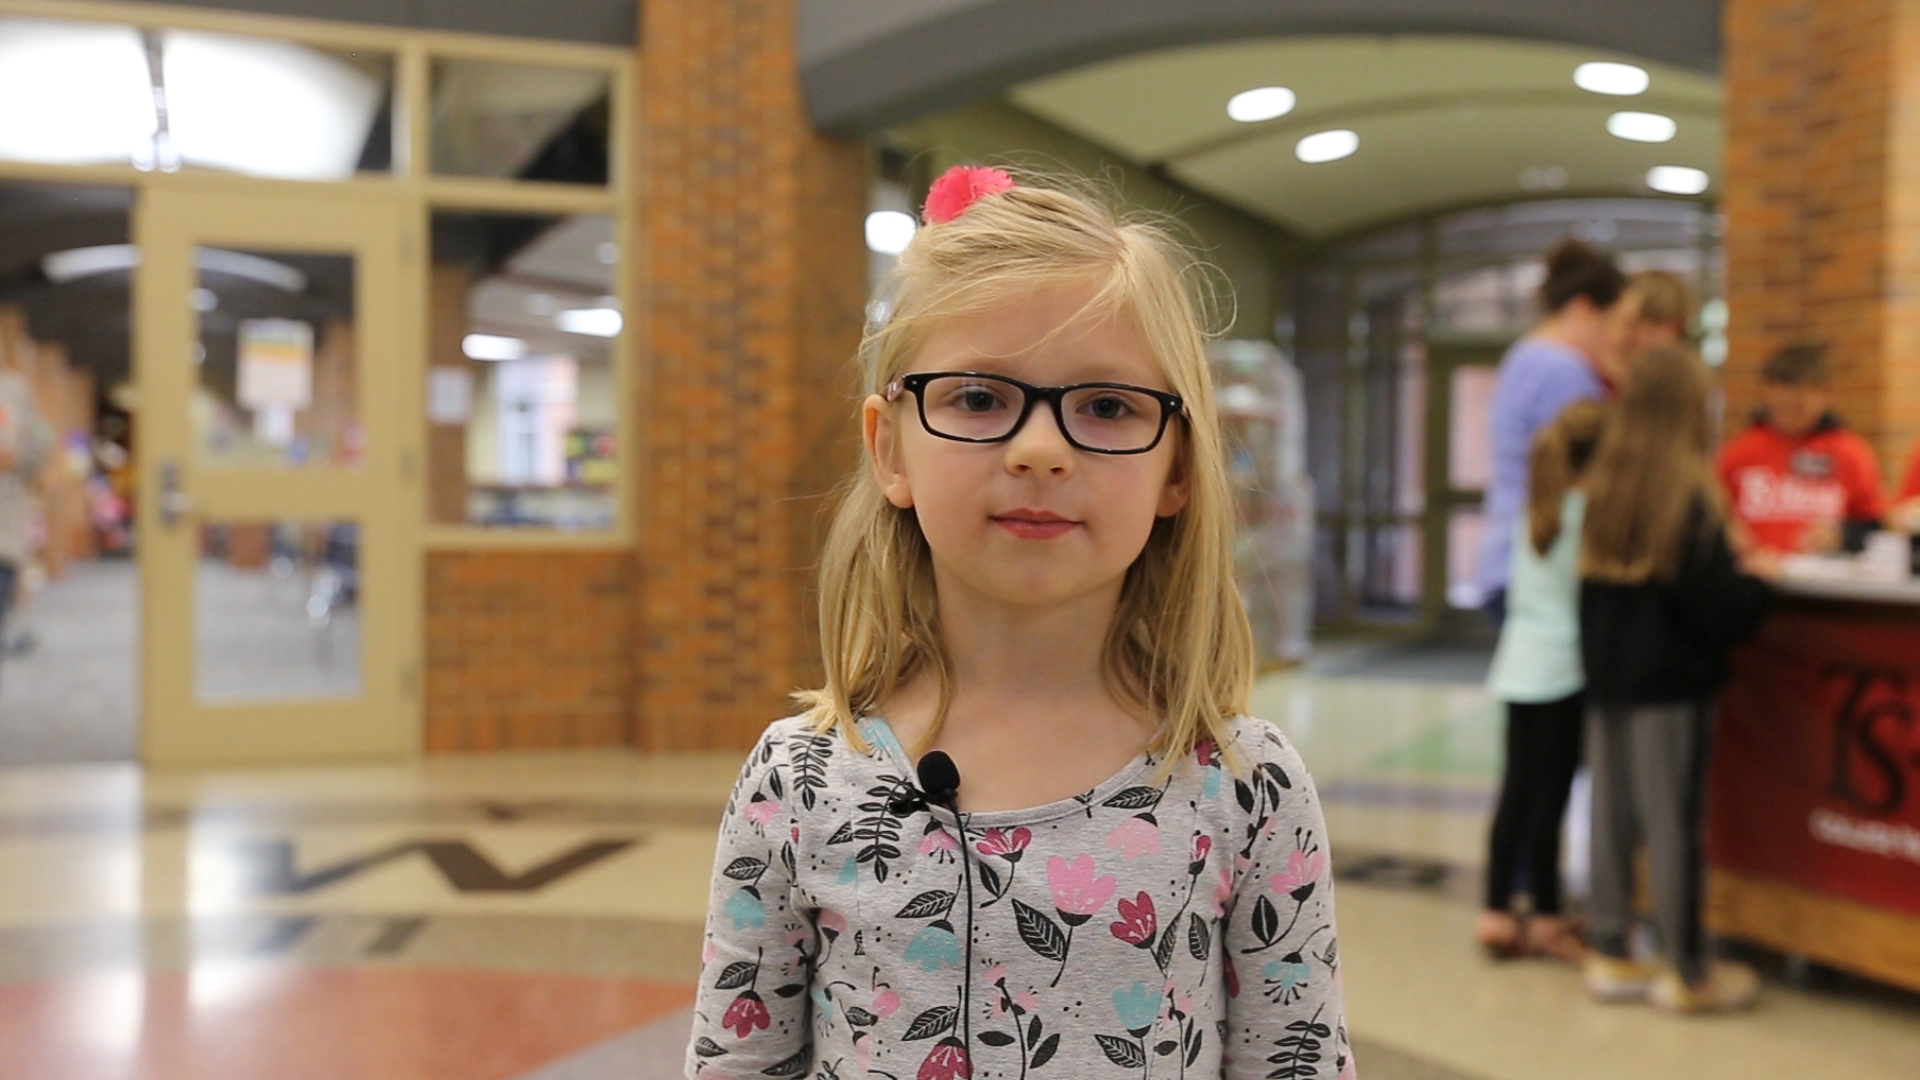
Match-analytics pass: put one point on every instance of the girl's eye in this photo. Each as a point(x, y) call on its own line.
point(976, 399)
point(1109, 407)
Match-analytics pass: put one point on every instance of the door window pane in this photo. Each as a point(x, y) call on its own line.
point(521, 403)
point(277, 611)
point(277, 358)
point(1470, 432)
point(515, 121)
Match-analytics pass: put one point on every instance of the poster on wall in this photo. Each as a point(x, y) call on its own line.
point(1816, 761)
point(276, 364)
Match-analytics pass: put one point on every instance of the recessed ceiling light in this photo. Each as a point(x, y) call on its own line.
point(1620, 80)
point(205, 300)
point(76, 93)
point(593, 322)
point(608, 253)
point(492, 347)
point(1677, 179)
point(1261, 103)
point(1323, 146)
point(889, 231)
point(1642, 127)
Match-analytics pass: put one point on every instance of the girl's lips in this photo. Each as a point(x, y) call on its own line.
point(1036, 528)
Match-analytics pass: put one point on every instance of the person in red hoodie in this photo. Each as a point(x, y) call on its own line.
point(1798, 480)
point(1906, 504)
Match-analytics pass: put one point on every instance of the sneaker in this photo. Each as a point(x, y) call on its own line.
point(1611, 979)
point(1728, 987)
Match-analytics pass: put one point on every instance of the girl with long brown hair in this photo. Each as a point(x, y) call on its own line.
point(1663, 601)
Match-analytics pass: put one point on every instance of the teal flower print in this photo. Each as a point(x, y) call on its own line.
point(745, 909)
point(1287, 974)
point(1137, 1007)
point(850, 872)
point(934, 948)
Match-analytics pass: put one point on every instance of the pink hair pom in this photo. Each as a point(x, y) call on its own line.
point(959, 187)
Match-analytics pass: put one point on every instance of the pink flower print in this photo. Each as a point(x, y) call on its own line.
point(1202, 847)
point(831, 921)
point(760, 811)
point(885, 1002)
point(1302, 871)
point(1184, 1002)
point(1134, 837)
point(1222, 892)
point(1233, 977)
point(1077, 893)
point(1008, 844)
point(797, 937)
point(1027, 1000)
point(948, 1061)
point(746, 1013)
point(1138, 922)
point(709, 952)
point(939, 843)
point(708, 1072)
point(996, 975)
point(1205, 752)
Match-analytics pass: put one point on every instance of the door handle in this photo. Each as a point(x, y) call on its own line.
point(175, 504)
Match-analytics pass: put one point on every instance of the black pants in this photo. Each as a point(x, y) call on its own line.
point(1543, 752)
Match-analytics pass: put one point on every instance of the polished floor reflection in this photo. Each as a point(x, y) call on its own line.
point(538, 916)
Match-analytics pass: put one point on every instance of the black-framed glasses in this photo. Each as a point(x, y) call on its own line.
point(1098, 417)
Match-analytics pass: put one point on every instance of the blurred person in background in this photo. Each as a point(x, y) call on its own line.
point(1656, 309)
point(1905, 514)
point(1798, 479)
point(25, 442)
point(1663, 600)
point(1537, 673)
point(1563, 359)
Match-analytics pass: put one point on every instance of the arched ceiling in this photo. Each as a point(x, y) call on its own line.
point(1443, 122)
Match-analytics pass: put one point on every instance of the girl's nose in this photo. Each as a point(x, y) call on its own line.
point(1040, 445)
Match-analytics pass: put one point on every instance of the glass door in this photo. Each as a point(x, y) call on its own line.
point(1459, 468)
point(280, 606)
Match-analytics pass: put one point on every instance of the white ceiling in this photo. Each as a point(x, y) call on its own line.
point(1443, 122)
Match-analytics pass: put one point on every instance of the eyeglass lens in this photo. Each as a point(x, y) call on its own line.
point(1098, 417)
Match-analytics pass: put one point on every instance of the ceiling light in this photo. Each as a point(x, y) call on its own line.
point(1677, 179)
point(492, 347)
point(889, 231)
point(252, 267)
point(1323, 146)
point(265, 108)
point(1261, 103)
point(1620, 80)
point(205, 300)
point(64, 266)
point(593, 322)
point(1642, 127)
point(608, 253)
point(74, 93)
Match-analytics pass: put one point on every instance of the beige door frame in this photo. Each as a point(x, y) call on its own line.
point(376, 229)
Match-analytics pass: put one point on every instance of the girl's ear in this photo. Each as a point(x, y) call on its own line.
point(883, 451)
point(1179, 486)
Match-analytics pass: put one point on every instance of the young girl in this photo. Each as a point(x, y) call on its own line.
point(1662, 602)
point(1536, 671)
point(1032, 574)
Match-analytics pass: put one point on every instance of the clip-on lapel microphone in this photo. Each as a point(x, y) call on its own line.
point(940, 786)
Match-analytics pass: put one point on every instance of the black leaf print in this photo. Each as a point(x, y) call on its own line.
point(1041, 933)
point(1122, 1052)
point(935, 1021)
point(776, 785)
point(1044, 1053)
point(1133, 798)
point(745, 869)
point(1166, 1048)
point(810, 754)
point(706, 1047)
point(1266, 920)
point(1196, 1038)
point(791, 989)
point(1199, 938)
point(989, 878)
point(736, 975)
point(880, 827)
point(1278, 775)
point(787, 860)
point(1163, 952)
point(792, 1066)
point(927, 905)
point(996, 1038)
point(1243, 793)
point(1300, 894)
point(1299, 1055)
point(859, 1017)
point(843, 834)
point(1033, 1031)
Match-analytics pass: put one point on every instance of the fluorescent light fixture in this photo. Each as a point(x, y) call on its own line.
point(265, 108)
point(1324, 146)
point(593, 322)
point(1642, 127)
point(1620, 80)
point(493, 347)
point(608, 253)
point(1677, 179)
point(1261, 103)
point(889, 231)
point(64, 266)
point(205, 300)
point(74, 93)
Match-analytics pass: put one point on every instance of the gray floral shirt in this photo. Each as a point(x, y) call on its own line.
point(1142, 929)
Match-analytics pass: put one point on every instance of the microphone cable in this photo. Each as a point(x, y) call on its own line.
point(940, 782)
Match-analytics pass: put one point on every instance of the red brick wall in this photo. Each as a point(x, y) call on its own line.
point(755, 276)
point(1819, 193)
point(529, 650)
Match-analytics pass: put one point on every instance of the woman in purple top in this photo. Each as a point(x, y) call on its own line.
point(1567, 357)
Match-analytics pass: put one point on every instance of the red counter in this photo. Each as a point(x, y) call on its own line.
point(1813, 821)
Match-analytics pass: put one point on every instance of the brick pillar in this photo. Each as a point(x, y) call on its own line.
point(1822, 196)
point(754, 276)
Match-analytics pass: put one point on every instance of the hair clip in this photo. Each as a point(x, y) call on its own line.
point(961, 187)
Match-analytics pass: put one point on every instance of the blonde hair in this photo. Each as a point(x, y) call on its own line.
point(1651, 491)
point(1560, 455)
point(1664, 298)
point(1180, 648)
